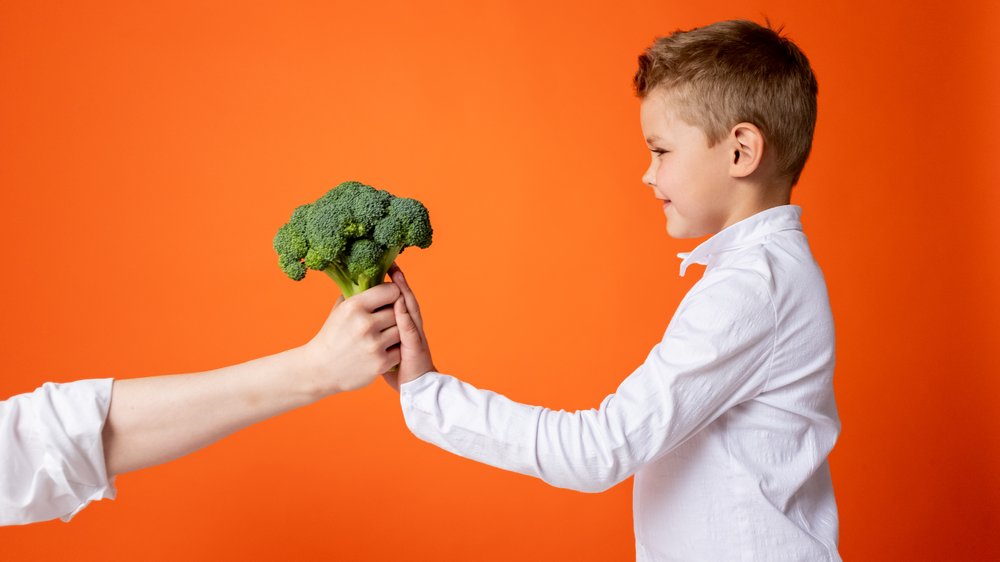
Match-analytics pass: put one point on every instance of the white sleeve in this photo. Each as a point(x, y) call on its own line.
point(715, 354)
point(52, 451)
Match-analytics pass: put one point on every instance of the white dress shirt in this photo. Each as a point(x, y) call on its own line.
point(726, 425)
point(52, 451)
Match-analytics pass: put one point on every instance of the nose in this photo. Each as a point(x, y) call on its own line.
point(649, 178)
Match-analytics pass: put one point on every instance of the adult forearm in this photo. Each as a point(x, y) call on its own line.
point(157, 419)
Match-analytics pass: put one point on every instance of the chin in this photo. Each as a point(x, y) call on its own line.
point(678, 232)
point(683, 231)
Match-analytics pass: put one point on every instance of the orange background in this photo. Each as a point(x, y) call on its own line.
point(149, 151)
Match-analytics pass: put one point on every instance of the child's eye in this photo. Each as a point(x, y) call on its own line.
point(658, 152)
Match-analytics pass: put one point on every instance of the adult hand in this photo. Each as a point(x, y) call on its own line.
point(357, 343)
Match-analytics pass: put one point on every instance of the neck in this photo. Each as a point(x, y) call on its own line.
point(758, 197)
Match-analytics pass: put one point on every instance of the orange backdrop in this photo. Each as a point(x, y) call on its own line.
point(149, 151)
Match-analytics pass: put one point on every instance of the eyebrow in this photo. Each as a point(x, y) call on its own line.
point(651, 139)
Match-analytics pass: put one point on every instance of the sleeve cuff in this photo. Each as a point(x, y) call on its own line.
point(412, 393)
point(416, 385)
point(75, 425)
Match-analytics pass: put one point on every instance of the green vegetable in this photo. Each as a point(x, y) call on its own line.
point(353, 234)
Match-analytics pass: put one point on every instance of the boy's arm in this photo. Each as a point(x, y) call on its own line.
point(714, 355)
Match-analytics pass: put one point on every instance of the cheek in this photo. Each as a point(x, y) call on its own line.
point(674, 174)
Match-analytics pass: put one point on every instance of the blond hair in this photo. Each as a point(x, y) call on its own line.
point(737, 71)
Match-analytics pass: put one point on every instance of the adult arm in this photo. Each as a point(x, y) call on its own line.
point(153, 420)
point(157, 419)
point(63, 444)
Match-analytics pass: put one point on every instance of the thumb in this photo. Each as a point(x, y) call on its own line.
point(409, 334)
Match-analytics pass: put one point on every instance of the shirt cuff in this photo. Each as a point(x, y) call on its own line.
point(409, 393)
point(76, 443)
point(420, 383)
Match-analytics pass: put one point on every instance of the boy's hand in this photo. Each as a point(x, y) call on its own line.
point(415, 355)
point(353, 346)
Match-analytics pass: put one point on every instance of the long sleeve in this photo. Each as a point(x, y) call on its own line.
point(714, 355)
point(52, 451)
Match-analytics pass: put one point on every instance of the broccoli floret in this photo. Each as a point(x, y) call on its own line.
point(353, 233)
point(292, 245)
point(406, 224)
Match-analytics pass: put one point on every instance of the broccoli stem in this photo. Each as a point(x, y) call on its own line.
point(350, 286)
point(347, 288)
point(387, 259)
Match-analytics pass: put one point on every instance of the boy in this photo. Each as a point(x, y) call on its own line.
point(728, 423)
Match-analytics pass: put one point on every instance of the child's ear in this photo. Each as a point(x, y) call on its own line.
point(746, 150)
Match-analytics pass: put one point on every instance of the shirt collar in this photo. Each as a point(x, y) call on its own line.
point(744, 233)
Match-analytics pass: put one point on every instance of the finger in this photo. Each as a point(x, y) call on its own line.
point(378, 296)
point(333, 311)
point(392, 379)
point(389, 337)
point(411, 300)
point(392, 358)
point(383, 319)
point(409, 334)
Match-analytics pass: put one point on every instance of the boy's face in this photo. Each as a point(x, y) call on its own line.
point(692, 179)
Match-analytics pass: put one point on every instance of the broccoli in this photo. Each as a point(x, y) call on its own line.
point(353, 233)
